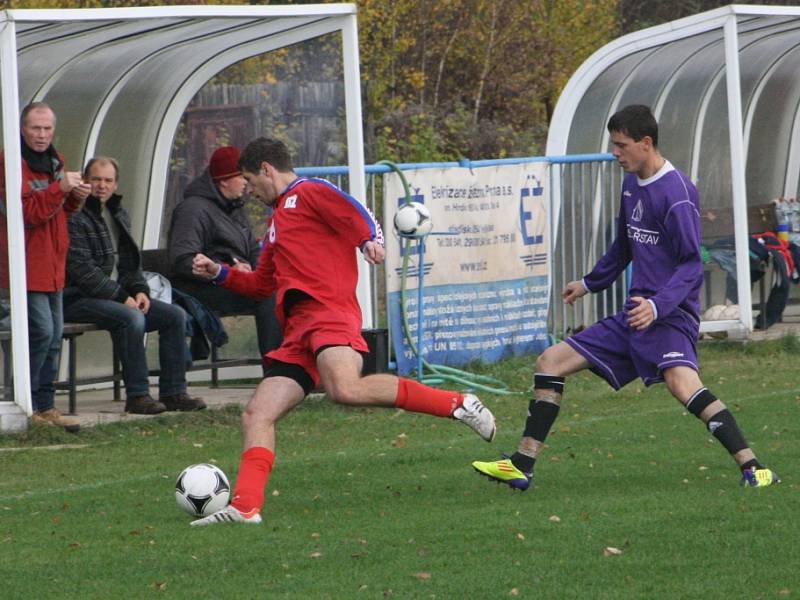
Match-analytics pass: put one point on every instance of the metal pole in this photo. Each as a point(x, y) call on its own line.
point(14, 221)
point(421, 246)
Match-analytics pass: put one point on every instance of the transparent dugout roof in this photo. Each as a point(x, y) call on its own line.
point(679, 69)
point(119, 80)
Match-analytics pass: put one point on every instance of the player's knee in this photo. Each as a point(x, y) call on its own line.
point(546, 362)
point(344, 394)
point(257, 414)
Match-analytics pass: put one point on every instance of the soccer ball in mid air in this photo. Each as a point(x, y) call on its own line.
point(202, 489)
point(413, 220)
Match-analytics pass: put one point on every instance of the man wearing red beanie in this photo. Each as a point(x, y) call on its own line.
point(212, 220)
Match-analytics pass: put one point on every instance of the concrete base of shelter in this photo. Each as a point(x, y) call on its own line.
point(12, 418)
point(98, 407)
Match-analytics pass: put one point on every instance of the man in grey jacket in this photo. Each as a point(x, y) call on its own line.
point(212, 220)
point(105, 286)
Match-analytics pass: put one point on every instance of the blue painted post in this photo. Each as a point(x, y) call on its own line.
point(421, 254)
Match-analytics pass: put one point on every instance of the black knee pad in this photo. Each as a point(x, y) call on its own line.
point(548, 382)
point(701, 399)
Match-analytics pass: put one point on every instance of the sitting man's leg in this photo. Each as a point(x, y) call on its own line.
point(170, 322)
point(225, 301)
point(127, 328)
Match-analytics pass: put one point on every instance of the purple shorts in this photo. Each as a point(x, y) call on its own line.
point(619, 353)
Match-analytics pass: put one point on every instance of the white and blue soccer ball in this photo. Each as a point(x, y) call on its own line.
point(202, 489)
point(413, 220)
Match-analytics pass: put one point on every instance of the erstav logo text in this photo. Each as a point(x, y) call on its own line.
point(643, 236)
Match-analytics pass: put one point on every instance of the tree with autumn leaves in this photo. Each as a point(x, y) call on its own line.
point(444, 79)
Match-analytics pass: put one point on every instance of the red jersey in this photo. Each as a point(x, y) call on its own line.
point(310, 243)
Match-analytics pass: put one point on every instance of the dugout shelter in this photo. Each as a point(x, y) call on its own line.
point(723, 85)
point(119, 80)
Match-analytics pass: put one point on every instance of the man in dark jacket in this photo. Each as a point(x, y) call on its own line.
point(105, 286)
point(212, 220)
point(49, 194)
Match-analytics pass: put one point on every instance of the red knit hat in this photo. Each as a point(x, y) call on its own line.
point(224, 163)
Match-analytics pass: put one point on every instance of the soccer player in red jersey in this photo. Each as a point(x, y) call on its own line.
point(309, 262)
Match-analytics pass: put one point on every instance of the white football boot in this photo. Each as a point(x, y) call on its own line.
point(229, 514)
point(474, 414)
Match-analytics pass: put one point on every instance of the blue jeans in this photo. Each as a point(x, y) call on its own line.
point(127, 327)
point(45, 325)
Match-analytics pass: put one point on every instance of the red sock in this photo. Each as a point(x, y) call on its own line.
point(254, 469)
point(416, 397)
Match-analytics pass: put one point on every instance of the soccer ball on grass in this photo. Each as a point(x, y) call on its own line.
point(413, 220)
point(202, 489)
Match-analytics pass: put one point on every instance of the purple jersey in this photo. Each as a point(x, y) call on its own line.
point(658, 228)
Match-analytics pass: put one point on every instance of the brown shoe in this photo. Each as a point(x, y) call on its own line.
point(144, 405)
point(182, 401)
point(53, 417)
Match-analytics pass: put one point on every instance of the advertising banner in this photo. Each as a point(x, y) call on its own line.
point(485, 267)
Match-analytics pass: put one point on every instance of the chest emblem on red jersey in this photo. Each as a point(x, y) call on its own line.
point(291, 202)
point(638, 211)
point(271, 232)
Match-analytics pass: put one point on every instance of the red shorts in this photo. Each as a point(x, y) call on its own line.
point(311, 326)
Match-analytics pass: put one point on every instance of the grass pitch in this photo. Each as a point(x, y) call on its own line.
point(633, 498)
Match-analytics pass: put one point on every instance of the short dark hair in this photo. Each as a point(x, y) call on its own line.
point(101, 160)
point(35, 106)
point(636, 121)
point(268, 150)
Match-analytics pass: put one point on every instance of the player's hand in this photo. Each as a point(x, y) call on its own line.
point(142, 302)
point(642, 315)
point(70, 181)
point(131, 303)
point(241, 265)
point(204, 267)
point(573, 291)
point(373, 252)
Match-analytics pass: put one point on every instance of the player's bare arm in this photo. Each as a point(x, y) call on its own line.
point(204, 267)
point(642, 315)
point(573, 291)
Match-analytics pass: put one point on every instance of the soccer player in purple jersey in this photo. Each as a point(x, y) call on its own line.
point(654, 337)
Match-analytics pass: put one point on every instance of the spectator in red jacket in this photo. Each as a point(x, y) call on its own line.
point(49, 193)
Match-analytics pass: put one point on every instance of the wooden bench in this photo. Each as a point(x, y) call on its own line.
point(717, 223)
point(70, 334)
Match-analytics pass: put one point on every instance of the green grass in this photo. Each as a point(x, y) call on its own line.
point(377, 503)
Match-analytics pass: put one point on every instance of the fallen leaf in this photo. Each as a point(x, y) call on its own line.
point(422, 576)
point(554, 518)
point(702, 468)
point(513, 592)
point(520, 536)
point(315, 535)
point(159, 585)
point(611, 551)
point(197, 445)
point(400, 441)
point(276, 493)
point(315, 554)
